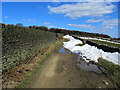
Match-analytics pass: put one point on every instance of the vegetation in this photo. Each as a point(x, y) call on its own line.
point(21, 43)
point(113, 70)
point(53, 48)
point(105, 48)
point(106, 43)
point(70, 32)
point(79, 44)
point(79, 33)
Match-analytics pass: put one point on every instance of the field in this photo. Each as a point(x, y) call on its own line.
point(106, 43)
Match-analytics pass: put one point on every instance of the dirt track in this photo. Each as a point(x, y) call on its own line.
point(60, 71)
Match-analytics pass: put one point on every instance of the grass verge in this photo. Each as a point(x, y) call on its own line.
point(113, 70)
point(106, 43)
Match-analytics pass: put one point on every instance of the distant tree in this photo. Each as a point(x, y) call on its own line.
point(39, 27)
point(34, 27)
point(42, 28)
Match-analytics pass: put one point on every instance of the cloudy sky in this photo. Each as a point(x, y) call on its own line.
point(95, 17)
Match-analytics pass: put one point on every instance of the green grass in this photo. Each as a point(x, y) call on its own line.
point(106, 43)
point(79, 44)
point(113, 70)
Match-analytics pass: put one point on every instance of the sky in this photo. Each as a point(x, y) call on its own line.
point(93, 17)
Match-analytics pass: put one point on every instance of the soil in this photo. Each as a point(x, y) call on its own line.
point(61, 71)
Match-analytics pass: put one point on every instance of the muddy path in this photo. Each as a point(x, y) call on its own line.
point(61, 71)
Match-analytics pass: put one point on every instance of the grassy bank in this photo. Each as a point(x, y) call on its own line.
point(113, 70)
point(106, 43)
point(53, 48)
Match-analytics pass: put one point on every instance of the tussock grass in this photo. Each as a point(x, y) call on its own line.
point(106, 43)
point(113, 70)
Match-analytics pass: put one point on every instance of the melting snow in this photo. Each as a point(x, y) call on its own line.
point(99, 40)
point(90, 52)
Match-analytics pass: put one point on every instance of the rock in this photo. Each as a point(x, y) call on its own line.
point(105, 82)
point(99, 87)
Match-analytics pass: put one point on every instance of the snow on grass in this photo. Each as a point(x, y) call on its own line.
point(90, 52)
point(71, 44)
point(99, 40)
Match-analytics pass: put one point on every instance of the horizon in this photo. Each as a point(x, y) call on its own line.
point(55, 28)
point(80, 16)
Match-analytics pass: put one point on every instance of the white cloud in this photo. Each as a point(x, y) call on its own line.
point(52, 26)
point(110, 23)
point(84, 26)
point(89, 9)
point(49, 25)
point(46, 23)
point(94, 20)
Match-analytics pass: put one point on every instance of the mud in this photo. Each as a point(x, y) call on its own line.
point(60, 71)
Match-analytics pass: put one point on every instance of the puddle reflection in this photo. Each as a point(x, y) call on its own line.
point(62, 50)
point(83, 65)
point(90, 67)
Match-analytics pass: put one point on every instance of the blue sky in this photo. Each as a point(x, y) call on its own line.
point(99, 17)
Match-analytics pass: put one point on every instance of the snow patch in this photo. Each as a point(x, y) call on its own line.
point(90, 52)
point(99, 40)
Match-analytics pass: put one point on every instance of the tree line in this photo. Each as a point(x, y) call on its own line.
point(70, 32)
point(65, 31)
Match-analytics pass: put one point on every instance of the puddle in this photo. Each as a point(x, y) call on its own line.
point(62, 50)
point(90, 67)
point(83, 65)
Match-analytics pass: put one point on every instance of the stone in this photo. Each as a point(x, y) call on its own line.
point(105, 82)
